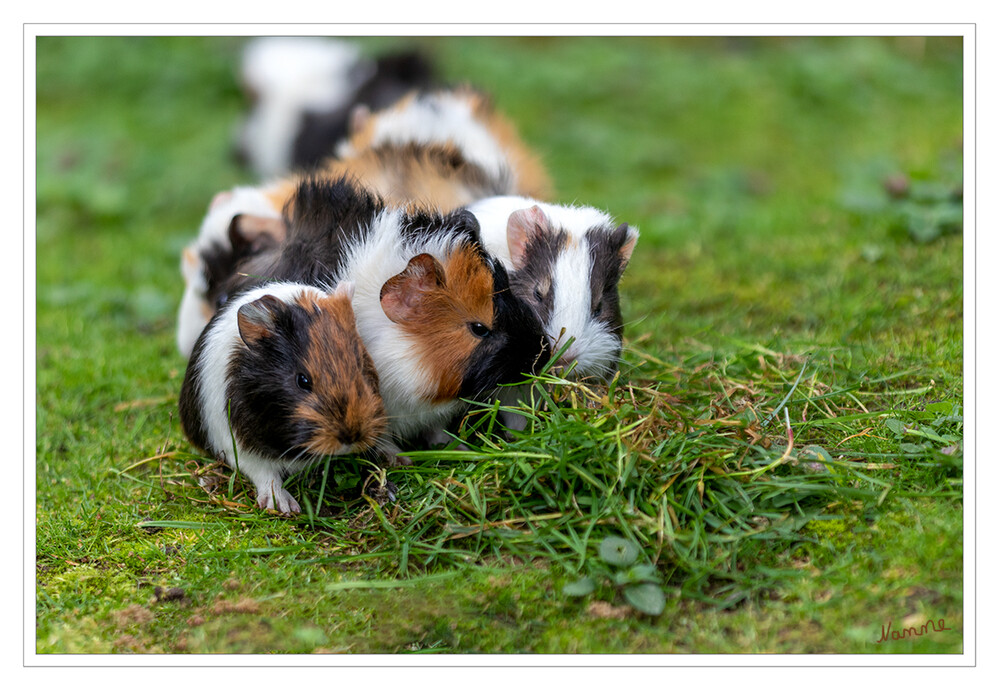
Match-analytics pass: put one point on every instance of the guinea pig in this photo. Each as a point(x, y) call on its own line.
point(461, 122)
point(435, 151)
point(303, 91)
point(240, 224)
point(435, 313)
point(278, 380)
point(565, 262)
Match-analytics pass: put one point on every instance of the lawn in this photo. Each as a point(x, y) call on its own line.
point(778, 468)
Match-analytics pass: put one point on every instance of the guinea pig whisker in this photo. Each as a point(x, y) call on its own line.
point(297, 457)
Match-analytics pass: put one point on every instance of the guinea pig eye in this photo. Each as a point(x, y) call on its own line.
point(597, 309)
point(304, 382)
point(221, 300)
point(537, 294)
point(479, 330)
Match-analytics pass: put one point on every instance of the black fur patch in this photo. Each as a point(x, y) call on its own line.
point(532, 283)
point(605, 273)
point(422, 226)
point(262, 389)
point(515, 346)
point(223, 262)
point(190, 399)
point(329, 216)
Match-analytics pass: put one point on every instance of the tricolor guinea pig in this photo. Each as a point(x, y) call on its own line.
point(565, 262)
point(432, 151)
point(435, 313)
point(278, 380)
point(463, 130)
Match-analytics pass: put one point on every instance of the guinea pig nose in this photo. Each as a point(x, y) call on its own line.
point(352, 435)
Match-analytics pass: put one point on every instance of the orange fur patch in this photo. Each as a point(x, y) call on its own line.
point(430, 178)
point(344, 408)
point(440, 327)
point(281, 194)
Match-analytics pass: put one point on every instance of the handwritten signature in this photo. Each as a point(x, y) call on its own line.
point(929, 626)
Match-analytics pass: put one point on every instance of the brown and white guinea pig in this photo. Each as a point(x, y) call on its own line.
point(565, 262)
point(303, 90)
point(278, 380)
point(436, 151)
point(435, 313)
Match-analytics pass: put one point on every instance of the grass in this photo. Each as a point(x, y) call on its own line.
point(783, 446)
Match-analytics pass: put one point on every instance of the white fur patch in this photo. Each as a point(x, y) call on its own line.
point(441, 118)
point(595, 346)
point(494, 212)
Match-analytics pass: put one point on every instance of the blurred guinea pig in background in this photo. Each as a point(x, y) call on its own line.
point(304, 91)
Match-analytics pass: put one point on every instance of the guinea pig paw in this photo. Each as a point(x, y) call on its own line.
point(397, 460)
point(277, 498)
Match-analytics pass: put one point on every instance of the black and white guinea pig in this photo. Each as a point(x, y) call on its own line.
point(435, 313)
point(565, 262)
point(240, 223)
point(278, 380)
point(303, 91)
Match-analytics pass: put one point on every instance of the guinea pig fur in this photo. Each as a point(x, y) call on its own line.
point(394, 75)
point(565, 263)
point(463, 122)
point(240, 223)
point(436, 314)
point(281, 374)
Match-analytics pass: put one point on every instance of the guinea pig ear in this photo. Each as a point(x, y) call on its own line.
point(345, 288)
point(219, 199)
point(255, 233)
point(258, 319)
point(359, 117)
point(402, 295)
point(520, 228)
point(628, 238)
